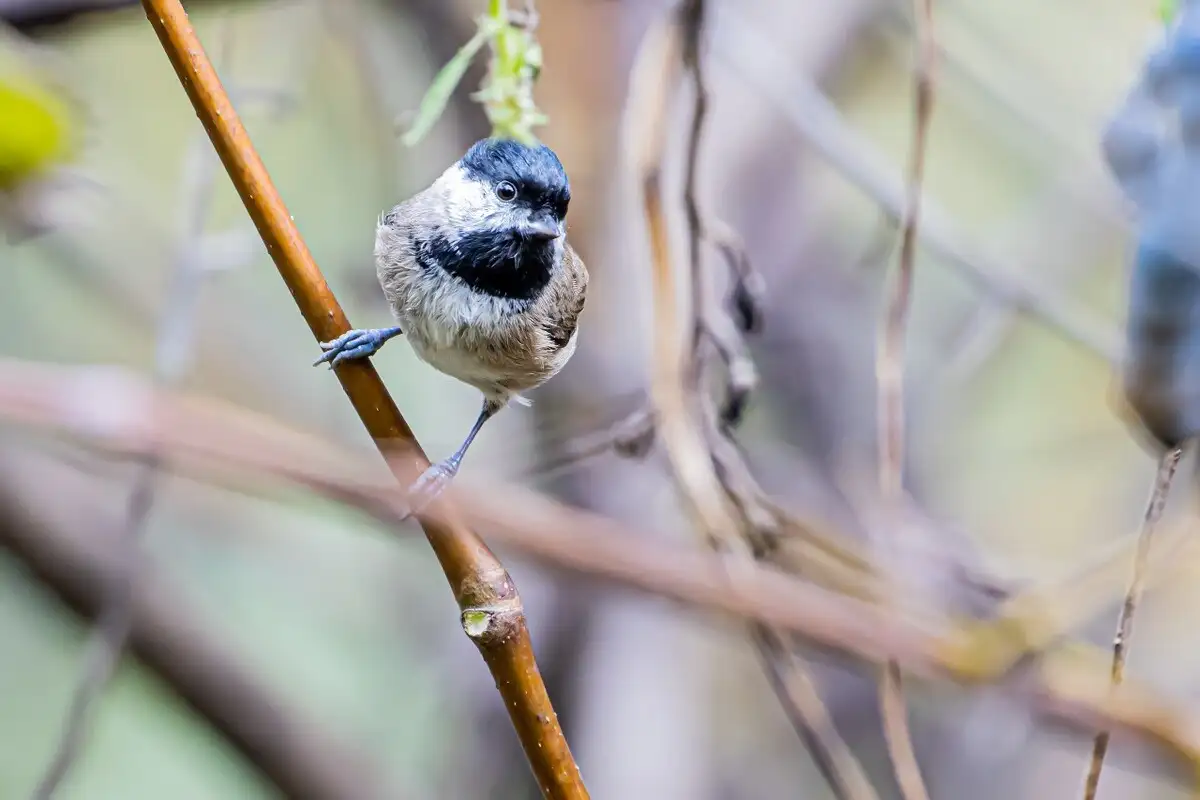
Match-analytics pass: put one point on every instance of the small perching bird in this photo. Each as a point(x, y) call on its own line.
point(481, 280)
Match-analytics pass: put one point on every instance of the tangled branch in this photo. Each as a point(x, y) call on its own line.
point(227, 445)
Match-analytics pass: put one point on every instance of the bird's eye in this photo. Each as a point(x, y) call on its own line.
point(506, 191)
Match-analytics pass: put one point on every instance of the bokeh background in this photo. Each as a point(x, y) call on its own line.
point(1014, 437)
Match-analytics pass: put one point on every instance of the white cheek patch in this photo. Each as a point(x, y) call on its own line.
point(511, 217)
point(470, 205)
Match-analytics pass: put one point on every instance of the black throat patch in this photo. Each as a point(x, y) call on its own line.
point(494, 263)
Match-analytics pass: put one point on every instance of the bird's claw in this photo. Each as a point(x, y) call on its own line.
point(353, 344)
point(432, 483)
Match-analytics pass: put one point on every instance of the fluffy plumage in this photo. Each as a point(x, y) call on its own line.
point(480, 277)
point(476, 299)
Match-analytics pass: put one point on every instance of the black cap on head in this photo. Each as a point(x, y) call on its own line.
point(535, 171)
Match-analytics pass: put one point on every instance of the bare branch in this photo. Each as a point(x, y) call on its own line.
point(226, 444)
point(1154, 508)
point(710, 325)
point(889, 371)
point(653, 85)
point(790, 679)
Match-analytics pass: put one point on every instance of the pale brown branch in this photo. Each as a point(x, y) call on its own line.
point(788, 673)
point(790, 679)
point(718, 490)
point(653, 86)
point(1154, 509)
point(291, 748)
point(890, 377)
point(123, 414)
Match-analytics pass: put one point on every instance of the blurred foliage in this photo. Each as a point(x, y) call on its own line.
point(38, 123)
point(42, 122)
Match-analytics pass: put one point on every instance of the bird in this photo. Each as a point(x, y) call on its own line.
point(481, 281)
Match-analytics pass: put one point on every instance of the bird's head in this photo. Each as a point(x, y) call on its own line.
point(524, 187)
point(504, 220)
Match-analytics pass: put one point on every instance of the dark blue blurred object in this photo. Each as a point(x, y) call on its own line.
point(1152, 145)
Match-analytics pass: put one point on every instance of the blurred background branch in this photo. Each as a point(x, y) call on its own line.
point(890, 364)
point(295, 752)
point(223, 443)
point(172, 360)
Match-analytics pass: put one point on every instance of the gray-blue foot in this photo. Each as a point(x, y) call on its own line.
point(355, 344)
point(431, 483)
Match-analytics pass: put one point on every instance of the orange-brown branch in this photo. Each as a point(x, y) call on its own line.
point(482, 587)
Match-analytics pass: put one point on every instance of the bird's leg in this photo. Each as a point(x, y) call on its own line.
point(358, 343)
point(434, 479)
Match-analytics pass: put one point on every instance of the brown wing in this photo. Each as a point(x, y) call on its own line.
point(567, 295)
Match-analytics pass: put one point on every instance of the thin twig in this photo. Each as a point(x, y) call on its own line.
point(710, 325)
point(788, 674)
point(890, 377)
point(1154, 509)
point(692, 16)
point(491, 612)
point(173, 357)
point(656, 77)
point(228, 446)
point(801, 702)
point(632, 436)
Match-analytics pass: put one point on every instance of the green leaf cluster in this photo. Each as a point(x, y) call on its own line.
point(507, 91)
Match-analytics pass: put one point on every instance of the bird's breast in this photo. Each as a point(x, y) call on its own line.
point(495, 358)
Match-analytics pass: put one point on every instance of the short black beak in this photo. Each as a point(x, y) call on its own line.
point(539, 229)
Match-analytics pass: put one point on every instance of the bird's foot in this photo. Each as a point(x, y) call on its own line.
point(432, 482)
point(358, 343)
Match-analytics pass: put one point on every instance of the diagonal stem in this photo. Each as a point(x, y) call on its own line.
point(890, 375)
point(492, 614)
point(1154, 509)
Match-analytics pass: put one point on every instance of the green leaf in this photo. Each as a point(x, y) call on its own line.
point(1167, 10)
point(435, 99)
point(507, 90)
